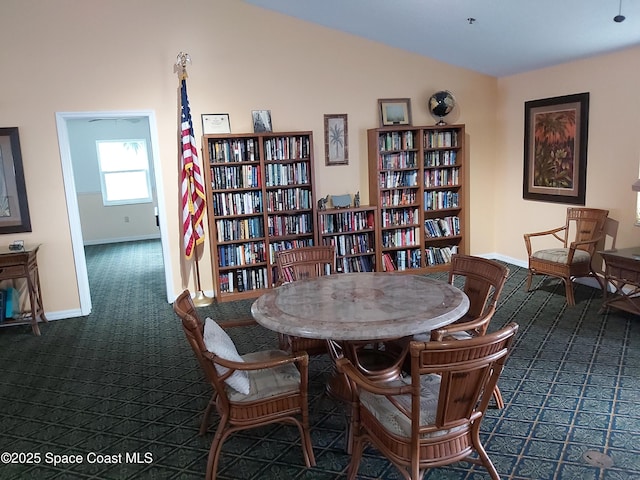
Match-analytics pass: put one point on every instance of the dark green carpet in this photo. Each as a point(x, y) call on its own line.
point(122, 386)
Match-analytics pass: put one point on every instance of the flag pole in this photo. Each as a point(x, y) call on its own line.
point(200, 299)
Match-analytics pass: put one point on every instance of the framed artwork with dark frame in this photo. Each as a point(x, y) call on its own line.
point(14, 209)
point(336, 139)
point(261, 121)
point(555, 149)
point(394, 111)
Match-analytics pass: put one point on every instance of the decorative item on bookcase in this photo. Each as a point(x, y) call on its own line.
point(215, 123)
point(261, 121)
point(341, 201)
point(394, 111)
point(441, 104)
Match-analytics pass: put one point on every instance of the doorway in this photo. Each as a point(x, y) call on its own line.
point(64, 121)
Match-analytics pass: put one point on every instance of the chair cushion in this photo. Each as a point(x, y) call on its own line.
point(219, 343)
point(559, 255)
point(268, 382)
point(426, 336)
point(394, 419)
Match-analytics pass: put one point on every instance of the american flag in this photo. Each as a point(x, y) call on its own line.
point(192, 185)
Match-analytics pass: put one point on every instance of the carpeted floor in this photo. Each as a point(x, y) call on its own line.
point(118, 394)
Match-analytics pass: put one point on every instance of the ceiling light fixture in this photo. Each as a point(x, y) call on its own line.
point(619, 18)
point(471, 20)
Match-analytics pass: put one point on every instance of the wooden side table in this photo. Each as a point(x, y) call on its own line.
point(622, 272)
point(23, 263)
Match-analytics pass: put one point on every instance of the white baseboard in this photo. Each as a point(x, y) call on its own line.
point(122, 239)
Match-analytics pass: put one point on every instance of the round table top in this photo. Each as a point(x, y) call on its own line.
point(360, 306)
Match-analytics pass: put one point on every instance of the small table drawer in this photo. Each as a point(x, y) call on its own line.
point(13, 271)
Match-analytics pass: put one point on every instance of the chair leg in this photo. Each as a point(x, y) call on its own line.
point(529, 278)
point(482, 454)
point(204, 425)
point(497, 396)
point(568, 287)
point(356, 457)
point(216, 449)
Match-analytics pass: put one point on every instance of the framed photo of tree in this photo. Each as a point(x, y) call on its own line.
point(336, 139)
point(555, 149)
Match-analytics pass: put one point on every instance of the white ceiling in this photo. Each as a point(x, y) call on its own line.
point(507, 36)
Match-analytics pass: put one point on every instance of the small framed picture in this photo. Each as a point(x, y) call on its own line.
point(215, 123)
point(336, 146)
point(394, 111)
point(261, 121)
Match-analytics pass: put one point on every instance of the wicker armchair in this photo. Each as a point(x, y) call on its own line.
point(277, 387)
point(433, 418)
point(574, 258)
point(300, 264)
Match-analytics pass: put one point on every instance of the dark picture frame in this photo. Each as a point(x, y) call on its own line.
point(261, 121)
point(555, 149)
point(336, 139)
point(14, 208)
point(394, 111)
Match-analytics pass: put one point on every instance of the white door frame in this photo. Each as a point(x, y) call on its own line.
point(72, 198)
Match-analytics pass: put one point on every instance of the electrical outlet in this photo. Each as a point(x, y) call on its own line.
point(126, 219)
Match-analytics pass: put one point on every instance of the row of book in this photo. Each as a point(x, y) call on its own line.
point(438, 200)
point(243, 280)
point(401, 260)
point(397, 140)
point(353, 244)
point(400, 237)
point(398, 198)
point(230, 230)
point(440, 158)
point(287, 148)
point(298, 224)
point(278, 174)
point(237, 203)
point(441, 138)
point(401, 216)
point(347, 222)
point(442, 177)
point(442, 227)
point(401, 178)
point(249, 253)
point(356, 264)
point(405, 259)
point(389, 161)
point(233, 150)
point(235, 176)
point(289, 199)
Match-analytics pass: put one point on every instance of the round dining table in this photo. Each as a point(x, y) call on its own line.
point(360, 306)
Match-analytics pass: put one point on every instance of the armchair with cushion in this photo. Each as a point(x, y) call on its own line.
point(251, 390)
point(433, 417)
point(574, 258)
point(300, 264)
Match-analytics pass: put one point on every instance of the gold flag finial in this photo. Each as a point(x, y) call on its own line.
point(181, 64)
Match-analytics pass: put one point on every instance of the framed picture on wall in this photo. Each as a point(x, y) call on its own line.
point(336, 140)
point(215, 123)
point(14, 209)
point(555, 149)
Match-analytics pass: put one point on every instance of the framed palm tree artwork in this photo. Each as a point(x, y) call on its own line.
point(14, 209)
point(555, 149)
point(336, 139)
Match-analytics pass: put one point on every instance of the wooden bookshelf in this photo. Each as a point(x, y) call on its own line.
point(260, 191)
point(416, 179)
point(353, 232)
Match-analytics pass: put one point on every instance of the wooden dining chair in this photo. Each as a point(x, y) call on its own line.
point(249, 391)
point(432, 418)
point(301, 264)
point(580, 235)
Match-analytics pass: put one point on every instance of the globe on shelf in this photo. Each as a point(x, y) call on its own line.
point(440, 105)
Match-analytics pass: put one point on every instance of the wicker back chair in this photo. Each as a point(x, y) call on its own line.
point(434, 418)
point(574, 258)
point(278, 388)
point(301, 264)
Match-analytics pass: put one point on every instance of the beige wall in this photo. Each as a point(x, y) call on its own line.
point(86, 55)
point(613, 150)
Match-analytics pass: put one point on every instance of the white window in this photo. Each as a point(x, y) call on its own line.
point(124, 171)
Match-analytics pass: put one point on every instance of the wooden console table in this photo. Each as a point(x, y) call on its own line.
point(17, 264)
point(623, 273)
